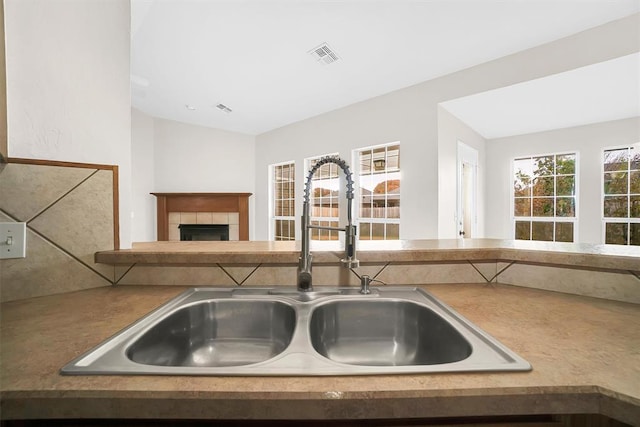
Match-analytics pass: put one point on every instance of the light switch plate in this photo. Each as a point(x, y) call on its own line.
point(13, 240)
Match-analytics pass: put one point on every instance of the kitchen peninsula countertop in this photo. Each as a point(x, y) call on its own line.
point(573, 254)
point(584, 352)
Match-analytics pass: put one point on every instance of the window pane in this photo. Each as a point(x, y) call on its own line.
point(615, 183)
point(365, 162)
point(522, 207)
point(365, 230)
point(393, 210)
point(634, 178)
point(615, 160)
point(543, 166)
point(542, 231)
point(523, 230)
point(634, 207)
point(635, 159)
point(523, 175)
point(543, 186)
point(393, 158)
point(565, 186)
point(543, 206)
point(284, 230)
point(292, 230)
point(393, 231)
point(566, 164)
point(365, 209)
point(615, 206)
point(616, 233)
point(634, 234)
point(565, 207)
point(334, 170)
point(564, 232)
point(377, 231)
point(521, 186)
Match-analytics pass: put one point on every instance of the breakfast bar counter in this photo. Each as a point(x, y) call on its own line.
point(427, 250)
point(585, 354)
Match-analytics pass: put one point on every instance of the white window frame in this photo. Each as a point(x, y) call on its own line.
point(355, 160)
point(554, 218)
point(624, 220)
point(272, 201)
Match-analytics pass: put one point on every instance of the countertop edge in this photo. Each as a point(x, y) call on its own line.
point(52, 404)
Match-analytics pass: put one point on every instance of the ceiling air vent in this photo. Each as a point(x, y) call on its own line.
point(324, 54)
point(224, 108)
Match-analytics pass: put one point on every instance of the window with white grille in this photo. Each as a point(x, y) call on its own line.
point(544, 197)
point(379, 192)
point(283, 199)
point(621, 196)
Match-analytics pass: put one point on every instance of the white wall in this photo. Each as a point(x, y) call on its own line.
point(68, 86)
point(143, 177)
point(410, 116)
point(588, 141)
point(450, 131)
point(191, 158)
point(356, 126)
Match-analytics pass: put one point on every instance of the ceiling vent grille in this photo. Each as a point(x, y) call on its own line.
point(324, 54)
point(224, 108)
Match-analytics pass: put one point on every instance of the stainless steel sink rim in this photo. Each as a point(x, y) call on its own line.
point(299, 358)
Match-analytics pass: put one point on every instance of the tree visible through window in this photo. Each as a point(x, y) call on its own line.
point(284, 198)
point(621, 198)
point(379, 182)
point(544, 197)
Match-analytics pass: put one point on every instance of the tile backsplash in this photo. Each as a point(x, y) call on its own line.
point(69, 211)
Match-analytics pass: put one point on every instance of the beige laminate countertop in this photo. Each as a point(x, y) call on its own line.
point(573, 254)
point(585, 354)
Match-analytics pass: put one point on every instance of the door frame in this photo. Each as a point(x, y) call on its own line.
point(466, 155)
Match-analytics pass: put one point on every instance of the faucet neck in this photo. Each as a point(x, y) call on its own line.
point(350, 261)
point(323, 161)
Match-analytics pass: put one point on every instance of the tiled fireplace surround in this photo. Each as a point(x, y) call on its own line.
point(231, 209)
point(52, 196)
point(232, 219)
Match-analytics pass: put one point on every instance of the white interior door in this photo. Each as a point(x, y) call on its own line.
point(467, 185)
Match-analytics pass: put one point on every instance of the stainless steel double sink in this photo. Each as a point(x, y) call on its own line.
point(280, 331)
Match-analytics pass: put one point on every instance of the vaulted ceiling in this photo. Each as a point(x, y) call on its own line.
point(254, 57)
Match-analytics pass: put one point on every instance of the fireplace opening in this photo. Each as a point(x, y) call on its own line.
point(204, 232)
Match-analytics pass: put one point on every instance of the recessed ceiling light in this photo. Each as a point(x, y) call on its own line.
point(189, 107)
point(224, 108)
point(324, 54)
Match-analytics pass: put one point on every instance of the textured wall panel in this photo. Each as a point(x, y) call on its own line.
point(69, 214)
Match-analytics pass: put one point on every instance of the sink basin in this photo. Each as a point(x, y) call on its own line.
point(385, 333)
point(279, 331)
point(217, 333)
